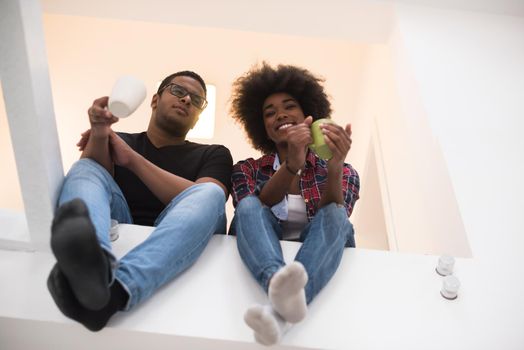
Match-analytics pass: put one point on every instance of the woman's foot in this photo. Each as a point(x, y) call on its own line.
point(267, 325)
point(286, 292)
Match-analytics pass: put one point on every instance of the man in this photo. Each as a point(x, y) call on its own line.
point(155, 178)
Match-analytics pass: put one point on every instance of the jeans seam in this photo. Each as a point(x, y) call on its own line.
point(310, 286)
point(262, 274)
point(191, 254)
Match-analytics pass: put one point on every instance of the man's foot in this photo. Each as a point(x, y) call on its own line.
point(266, 324)
point(79, 255)
point(66, 301)
point(286, 292)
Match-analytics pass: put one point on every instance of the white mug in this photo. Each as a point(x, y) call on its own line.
point(127, 95)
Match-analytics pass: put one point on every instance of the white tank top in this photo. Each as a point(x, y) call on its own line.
point(296, 219)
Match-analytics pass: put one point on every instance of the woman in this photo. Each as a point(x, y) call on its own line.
point(289, 193)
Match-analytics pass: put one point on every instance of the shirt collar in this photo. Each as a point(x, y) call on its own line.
point(276, 162)
point(267, 160)
point(311, 158)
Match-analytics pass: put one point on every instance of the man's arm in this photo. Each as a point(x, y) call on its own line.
point(163, 184)
point(97, 146)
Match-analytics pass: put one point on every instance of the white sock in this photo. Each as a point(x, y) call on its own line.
point(267, 325)
point(286, 292)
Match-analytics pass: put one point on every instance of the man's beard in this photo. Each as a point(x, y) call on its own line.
point(172, 127)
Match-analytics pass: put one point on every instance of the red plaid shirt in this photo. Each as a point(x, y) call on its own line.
point(250, 175)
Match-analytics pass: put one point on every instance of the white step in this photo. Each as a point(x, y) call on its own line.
point(376, 300)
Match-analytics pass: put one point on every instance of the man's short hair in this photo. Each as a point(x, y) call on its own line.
point(185, 73)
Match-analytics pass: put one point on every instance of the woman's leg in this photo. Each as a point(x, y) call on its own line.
point(324, 240)
point(257, 232)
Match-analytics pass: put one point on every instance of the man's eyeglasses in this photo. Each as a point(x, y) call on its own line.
point(180, 91)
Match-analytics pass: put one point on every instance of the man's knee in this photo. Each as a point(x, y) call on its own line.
point(212, 192)
point(87, 167)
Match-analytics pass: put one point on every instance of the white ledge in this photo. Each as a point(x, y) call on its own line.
point(376, 300)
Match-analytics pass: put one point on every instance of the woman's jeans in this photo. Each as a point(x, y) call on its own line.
point(324, 239)
point(181, 233)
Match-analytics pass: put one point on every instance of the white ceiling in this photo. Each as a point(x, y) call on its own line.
point(359, 20)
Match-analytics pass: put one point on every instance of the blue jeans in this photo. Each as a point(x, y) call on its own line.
point(181, 232)
point(324, 239)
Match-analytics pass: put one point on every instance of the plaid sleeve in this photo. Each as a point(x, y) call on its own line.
point(350, 187)
point(243, 180)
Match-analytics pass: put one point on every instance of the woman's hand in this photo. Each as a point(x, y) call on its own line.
point(298, 139)
point(339, 141)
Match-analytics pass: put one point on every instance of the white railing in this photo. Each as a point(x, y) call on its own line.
point(29, 106)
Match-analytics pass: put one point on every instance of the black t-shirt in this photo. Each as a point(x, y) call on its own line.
point(189, 160)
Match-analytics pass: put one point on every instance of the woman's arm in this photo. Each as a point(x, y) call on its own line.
point(298, 139)
point(277, 187)
point(339, 142)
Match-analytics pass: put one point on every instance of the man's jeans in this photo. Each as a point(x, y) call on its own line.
point(324, 239)
point(181, 232)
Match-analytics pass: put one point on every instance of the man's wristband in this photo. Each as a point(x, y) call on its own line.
point(294, 173)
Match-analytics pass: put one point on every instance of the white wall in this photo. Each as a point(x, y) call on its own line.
point(87, 54)
point(441, 109)
point(375, 87)
point(418, 202)
point(469, 68)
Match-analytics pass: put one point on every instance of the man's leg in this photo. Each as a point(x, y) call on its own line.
point(80, 238)
point(79, 255)
point(324, 240)
point(69, 305)
point(90, 182)
point(183, 230)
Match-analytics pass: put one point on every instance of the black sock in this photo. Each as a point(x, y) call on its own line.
point(79, 255)
point(119, 297)
point(68, 304)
